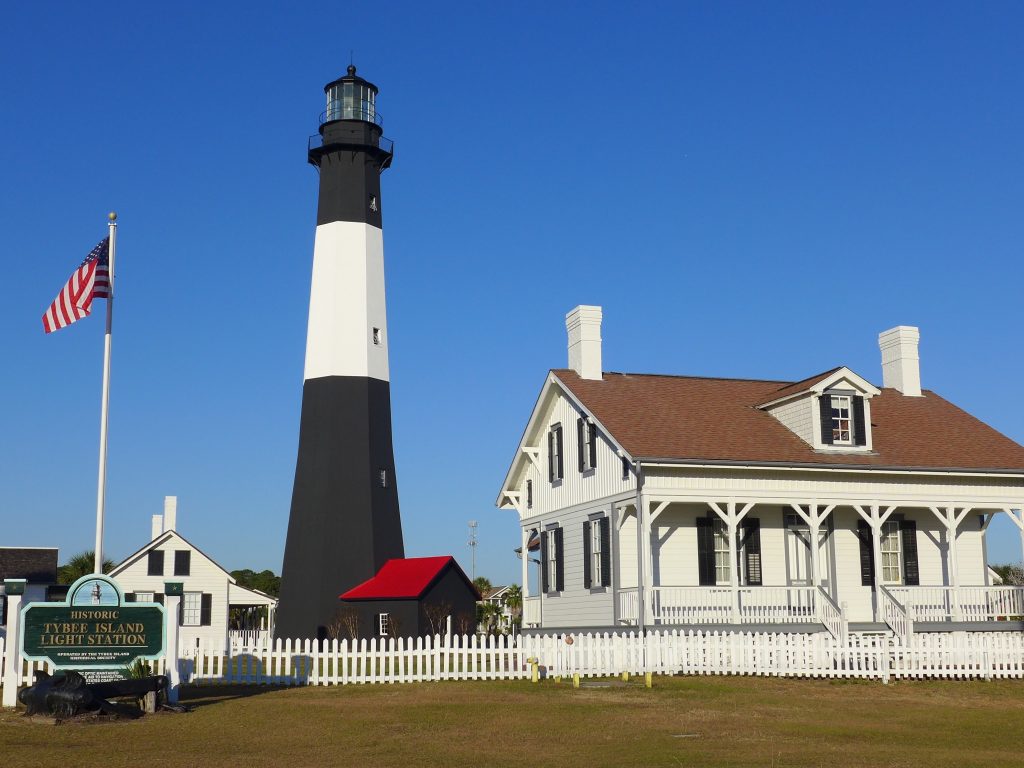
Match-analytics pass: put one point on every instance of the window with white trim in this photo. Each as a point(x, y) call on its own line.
point(842, 429)
point(892, 553)
point(529, 494)
point(192, 609)
point(553, 555)
point(143, 597)
point(596, 577)
point(383, 625)
point(721, 532)
point(556, 469)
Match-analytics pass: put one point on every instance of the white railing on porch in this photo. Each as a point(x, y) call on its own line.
point(531, 612)
point(629, 606)
point(832, 615)
point(248, 638)
point(961, 603)
point(898, 617)
point(715, 605)
point(691, 605)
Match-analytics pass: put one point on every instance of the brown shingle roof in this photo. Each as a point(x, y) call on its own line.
point(703, 419)
point(797, 387)
point(37, 565)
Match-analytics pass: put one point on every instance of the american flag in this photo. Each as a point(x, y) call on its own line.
point(90, 281)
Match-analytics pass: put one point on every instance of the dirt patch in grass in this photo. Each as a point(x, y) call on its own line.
point(681, 721)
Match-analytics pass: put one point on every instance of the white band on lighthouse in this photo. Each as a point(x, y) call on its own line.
point(347, 333)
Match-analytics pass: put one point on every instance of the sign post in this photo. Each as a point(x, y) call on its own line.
point(173, 591)
point(14, 589)
point(94, 631)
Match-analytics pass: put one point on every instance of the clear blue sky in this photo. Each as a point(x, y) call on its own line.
point(749, 189)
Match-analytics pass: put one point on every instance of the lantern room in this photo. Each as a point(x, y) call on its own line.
point(351, 98)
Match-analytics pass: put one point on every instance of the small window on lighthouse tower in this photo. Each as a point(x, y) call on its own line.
point(376, 336)
point(383, 478)
point(373, 203)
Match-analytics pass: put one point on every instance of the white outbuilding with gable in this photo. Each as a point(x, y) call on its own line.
point(210, 592)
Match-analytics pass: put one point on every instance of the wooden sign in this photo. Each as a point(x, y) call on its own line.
point(93, 629)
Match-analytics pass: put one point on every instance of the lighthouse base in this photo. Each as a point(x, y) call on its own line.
point(344, 522)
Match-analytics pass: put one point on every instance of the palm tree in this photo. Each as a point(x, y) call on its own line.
point(482, 584)
point(81, 565)
point(514, 599)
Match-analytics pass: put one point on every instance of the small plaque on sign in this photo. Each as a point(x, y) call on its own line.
point(14, 587)
point(174, 588)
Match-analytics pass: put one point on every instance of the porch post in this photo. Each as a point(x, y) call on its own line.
point(875, 520)
point(524, 536)
point(734, 581)
point(876, 552)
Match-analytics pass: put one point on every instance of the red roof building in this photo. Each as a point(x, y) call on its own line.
point(410, 597)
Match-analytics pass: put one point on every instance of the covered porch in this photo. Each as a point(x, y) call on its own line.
point(776, 562)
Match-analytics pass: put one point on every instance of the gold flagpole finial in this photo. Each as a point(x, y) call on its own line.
point(112, 216)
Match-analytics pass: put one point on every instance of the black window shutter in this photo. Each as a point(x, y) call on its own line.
point(181, 611)
point(752, 550)
point(529, 494)
point(908, 536)
point(156, 563)
point(182, 562)
point(158, 598)
point(860, 435)
point(561, 453)
point(593, 445)
point(544, 586)
point(586, 555)
point(551, 456)
point(706, 551)
point(559, 561)
point(580, 445)
point(825, 406)
point(606, 552)
point(207, 609)
point(129, 597)
point(3, 608)
point(867, 554)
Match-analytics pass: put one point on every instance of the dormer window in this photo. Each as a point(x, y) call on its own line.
point(843, 420)
point(842, 432)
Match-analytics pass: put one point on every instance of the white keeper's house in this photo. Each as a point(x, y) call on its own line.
point(214, 607)
point(825, 504)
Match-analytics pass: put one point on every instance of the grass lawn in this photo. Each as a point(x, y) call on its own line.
point(709, 721)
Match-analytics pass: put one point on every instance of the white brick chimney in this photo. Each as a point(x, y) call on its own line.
point(584, 327)
point(901, 366)
point(170, 513)
point(158, 526)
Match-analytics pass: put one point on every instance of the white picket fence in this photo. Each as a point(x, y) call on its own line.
point(331, 662)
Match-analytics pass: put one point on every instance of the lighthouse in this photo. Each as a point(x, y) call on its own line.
point(344, 522)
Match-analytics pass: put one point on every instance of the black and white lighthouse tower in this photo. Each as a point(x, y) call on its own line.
point(344, 523)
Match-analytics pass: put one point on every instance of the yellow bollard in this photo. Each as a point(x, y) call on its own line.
point(558, 678)
point(576, 681)
point(534, 670)
point(625, 677)
point(649, 679)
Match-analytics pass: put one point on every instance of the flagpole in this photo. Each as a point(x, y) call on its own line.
point(101, 490)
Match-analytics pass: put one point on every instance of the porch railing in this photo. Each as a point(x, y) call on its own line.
point(714, 605)
point(961, 603)
point(832, 616)
point(629, 606)
point(895, 614)
point(779, 605)
point(531, 611)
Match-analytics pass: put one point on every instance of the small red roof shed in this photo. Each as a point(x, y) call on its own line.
point(406, 578)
